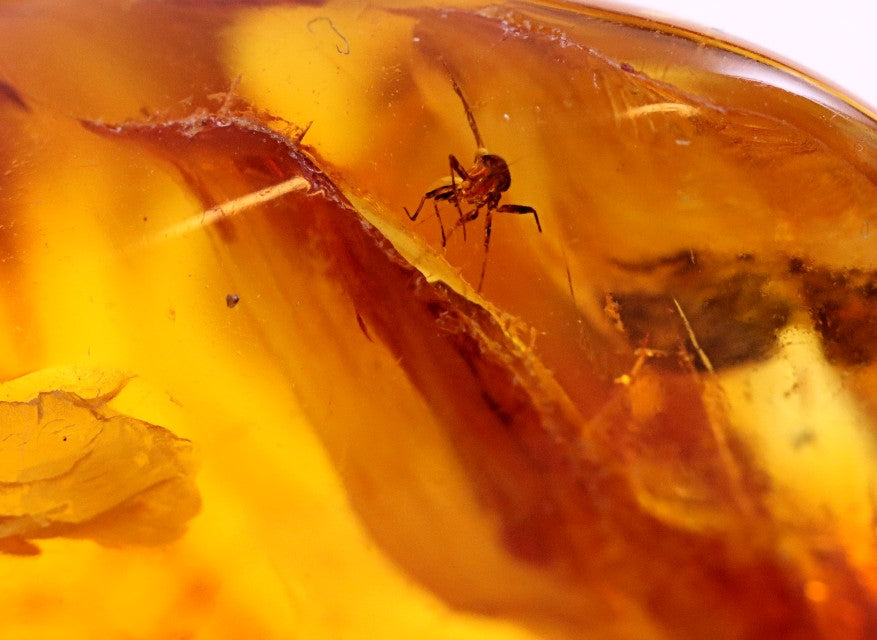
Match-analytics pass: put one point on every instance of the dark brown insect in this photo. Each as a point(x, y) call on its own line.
point(480, 188)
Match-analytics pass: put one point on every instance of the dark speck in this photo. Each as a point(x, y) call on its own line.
point(796, 265)
point(626, 66)
point(10, 93)
point(231, 300)
point(804, 438)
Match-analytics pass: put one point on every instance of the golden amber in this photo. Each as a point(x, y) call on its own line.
point(246, 397)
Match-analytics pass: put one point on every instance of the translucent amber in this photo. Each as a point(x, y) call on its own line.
point(245, 396)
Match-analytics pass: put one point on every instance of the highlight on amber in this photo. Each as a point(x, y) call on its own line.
point(244, 395)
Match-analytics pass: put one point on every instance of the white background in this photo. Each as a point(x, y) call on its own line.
point(835, 39)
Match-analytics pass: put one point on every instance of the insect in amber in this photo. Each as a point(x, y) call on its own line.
point(481, 187)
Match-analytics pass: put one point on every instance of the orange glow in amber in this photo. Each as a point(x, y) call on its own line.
point(245, 396)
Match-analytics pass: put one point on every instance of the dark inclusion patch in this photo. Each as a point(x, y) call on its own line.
point(734, 313)
point(72, 467)
point(843, 306)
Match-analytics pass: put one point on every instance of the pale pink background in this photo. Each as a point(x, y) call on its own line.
point(835, 39)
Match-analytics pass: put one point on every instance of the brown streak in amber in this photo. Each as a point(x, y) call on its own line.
point(564, 502)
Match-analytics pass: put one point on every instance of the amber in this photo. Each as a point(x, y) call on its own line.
point(245, 396)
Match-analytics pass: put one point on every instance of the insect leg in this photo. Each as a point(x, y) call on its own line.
point(457, 168)
point(441, 224)
point(468, 217)
point(440, 193)
point(413, 216)
point(488, 222)
point(520, 209)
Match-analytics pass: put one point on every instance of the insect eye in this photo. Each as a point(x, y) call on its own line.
point(493, 161)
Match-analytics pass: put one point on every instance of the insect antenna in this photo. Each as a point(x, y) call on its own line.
point(469, 116)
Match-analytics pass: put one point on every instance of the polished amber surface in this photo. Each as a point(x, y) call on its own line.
point(246, 397)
